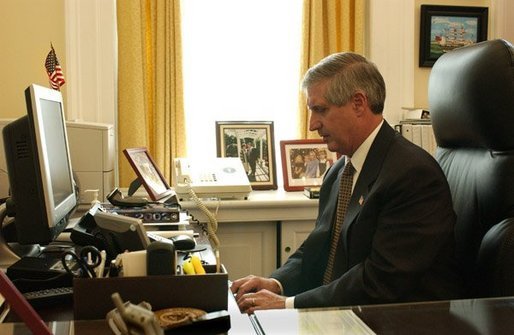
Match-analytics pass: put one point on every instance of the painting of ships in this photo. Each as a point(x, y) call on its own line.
point(449, 33)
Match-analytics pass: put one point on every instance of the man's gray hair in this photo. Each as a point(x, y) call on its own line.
point(347, 73)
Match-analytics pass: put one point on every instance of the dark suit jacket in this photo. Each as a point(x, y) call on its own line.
point(397, 241)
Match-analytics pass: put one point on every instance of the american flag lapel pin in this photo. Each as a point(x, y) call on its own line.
point(361, 200)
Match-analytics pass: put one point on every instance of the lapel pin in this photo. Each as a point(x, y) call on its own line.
point(361, 200)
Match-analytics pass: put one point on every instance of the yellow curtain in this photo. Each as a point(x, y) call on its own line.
point(150, 100)
point(328, 26)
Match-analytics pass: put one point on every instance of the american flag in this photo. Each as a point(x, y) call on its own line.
point(54, 70)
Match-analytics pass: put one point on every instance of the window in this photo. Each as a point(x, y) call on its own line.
point(241, 63)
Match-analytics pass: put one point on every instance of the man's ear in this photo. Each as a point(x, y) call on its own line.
point(359, 102)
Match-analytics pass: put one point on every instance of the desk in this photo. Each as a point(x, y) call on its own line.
point(61, 317)
point(472, 316)
point(240, 324)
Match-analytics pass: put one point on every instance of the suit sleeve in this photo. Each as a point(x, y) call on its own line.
point(292, 274)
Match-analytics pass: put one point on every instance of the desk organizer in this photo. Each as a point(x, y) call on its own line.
point(209, 292)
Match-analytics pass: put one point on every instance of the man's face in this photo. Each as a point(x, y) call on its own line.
point(336, 125)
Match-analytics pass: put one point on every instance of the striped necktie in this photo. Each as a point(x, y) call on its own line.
point(345, 193)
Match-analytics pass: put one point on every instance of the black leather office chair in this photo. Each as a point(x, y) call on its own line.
point(471, 97)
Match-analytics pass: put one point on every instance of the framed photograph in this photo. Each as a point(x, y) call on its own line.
point(253, 143)
point(304, 163)
point(147, 173)
point(444, 28)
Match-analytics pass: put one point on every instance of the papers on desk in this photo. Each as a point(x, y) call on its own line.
point(305, 322)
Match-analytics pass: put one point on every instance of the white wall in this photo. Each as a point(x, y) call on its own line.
point(91, 54)
point(390, 47)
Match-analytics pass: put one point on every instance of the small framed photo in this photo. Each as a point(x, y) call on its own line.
point(444, 28)
point(148, 173)
point(253, 143)
point(304, 163)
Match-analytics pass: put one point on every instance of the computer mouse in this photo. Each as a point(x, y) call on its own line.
point(183, 242)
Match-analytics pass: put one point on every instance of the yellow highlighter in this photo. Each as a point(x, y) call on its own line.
point(197, 264)
point(188, 267)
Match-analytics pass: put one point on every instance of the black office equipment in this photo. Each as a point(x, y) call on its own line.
point(82, 263)
point(117, 199)
point(39, 168)
point(86, 232)
point(183, 242)
point(160, 259)
point(50, 296)
point(121, 233)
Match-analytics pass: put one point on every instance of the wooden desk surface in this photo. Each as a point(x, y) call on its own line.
point(473, 316)
point(470, 317)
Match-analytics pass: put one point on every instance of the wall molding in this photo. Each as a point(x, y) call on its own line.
point(91, 58)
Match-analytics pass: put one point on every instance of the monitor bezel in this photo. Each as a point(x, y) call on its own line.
point(54, 212)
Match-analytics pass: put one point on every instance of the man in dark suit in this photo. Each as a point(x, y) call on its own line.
point(253, 155)
point(397, 242)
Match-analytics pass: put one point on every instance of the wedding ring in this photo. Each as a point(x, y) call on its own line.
point(253, 302)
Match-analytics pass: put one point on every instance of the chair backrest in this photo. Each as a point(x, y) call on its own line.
point(495, 262)
point(471, 98)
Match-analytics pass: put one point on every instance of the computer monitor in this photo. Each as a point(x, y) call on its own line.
point(39, 168)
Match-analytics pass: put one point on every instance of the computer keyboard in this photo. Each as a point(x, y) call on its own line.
point(50, 295)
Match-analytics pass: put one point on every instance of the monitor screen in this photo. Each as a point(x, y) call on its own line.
point(39, 168)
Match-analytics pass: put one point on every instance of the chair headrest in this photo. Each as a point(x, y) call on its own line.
point(471, 96)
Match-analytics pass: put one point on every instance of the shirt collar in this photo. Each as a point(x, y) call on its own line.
point(359, 156)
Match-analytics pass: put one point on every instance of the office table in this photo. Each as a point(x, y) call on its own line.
point(470, 316)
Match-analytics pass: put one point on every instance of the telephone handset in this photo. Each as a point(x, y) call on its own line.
point(116, 198)
point(182, 175)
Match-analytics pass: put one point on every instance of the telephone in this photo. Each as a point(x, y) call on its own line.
point(217, 177)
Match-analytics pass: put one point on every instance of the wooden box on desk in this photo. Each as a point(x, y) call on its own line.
point(209, 292)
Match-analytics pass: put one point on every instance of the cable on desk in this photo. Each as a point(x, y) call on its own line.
point(212, 224)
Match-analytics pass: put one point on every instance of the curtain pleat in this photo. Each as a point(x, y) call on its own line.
point(150, 89)
point(328, 26)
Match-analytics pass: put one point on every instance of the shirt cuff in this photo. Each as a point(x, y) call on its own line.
point(279, 286)
point(290, 303)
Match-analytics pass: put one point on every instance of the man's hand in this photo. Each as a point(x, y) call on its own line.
point(253, 284)
point(253, 293)
point(263, 299)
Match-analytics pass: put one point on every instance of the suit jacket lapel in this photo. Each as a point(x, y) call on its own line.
point(368, 175)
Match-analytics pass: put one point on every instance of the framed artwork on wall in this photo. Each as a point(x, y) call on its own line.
point(304, 163)
point(253, 143)
point(444, 28)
